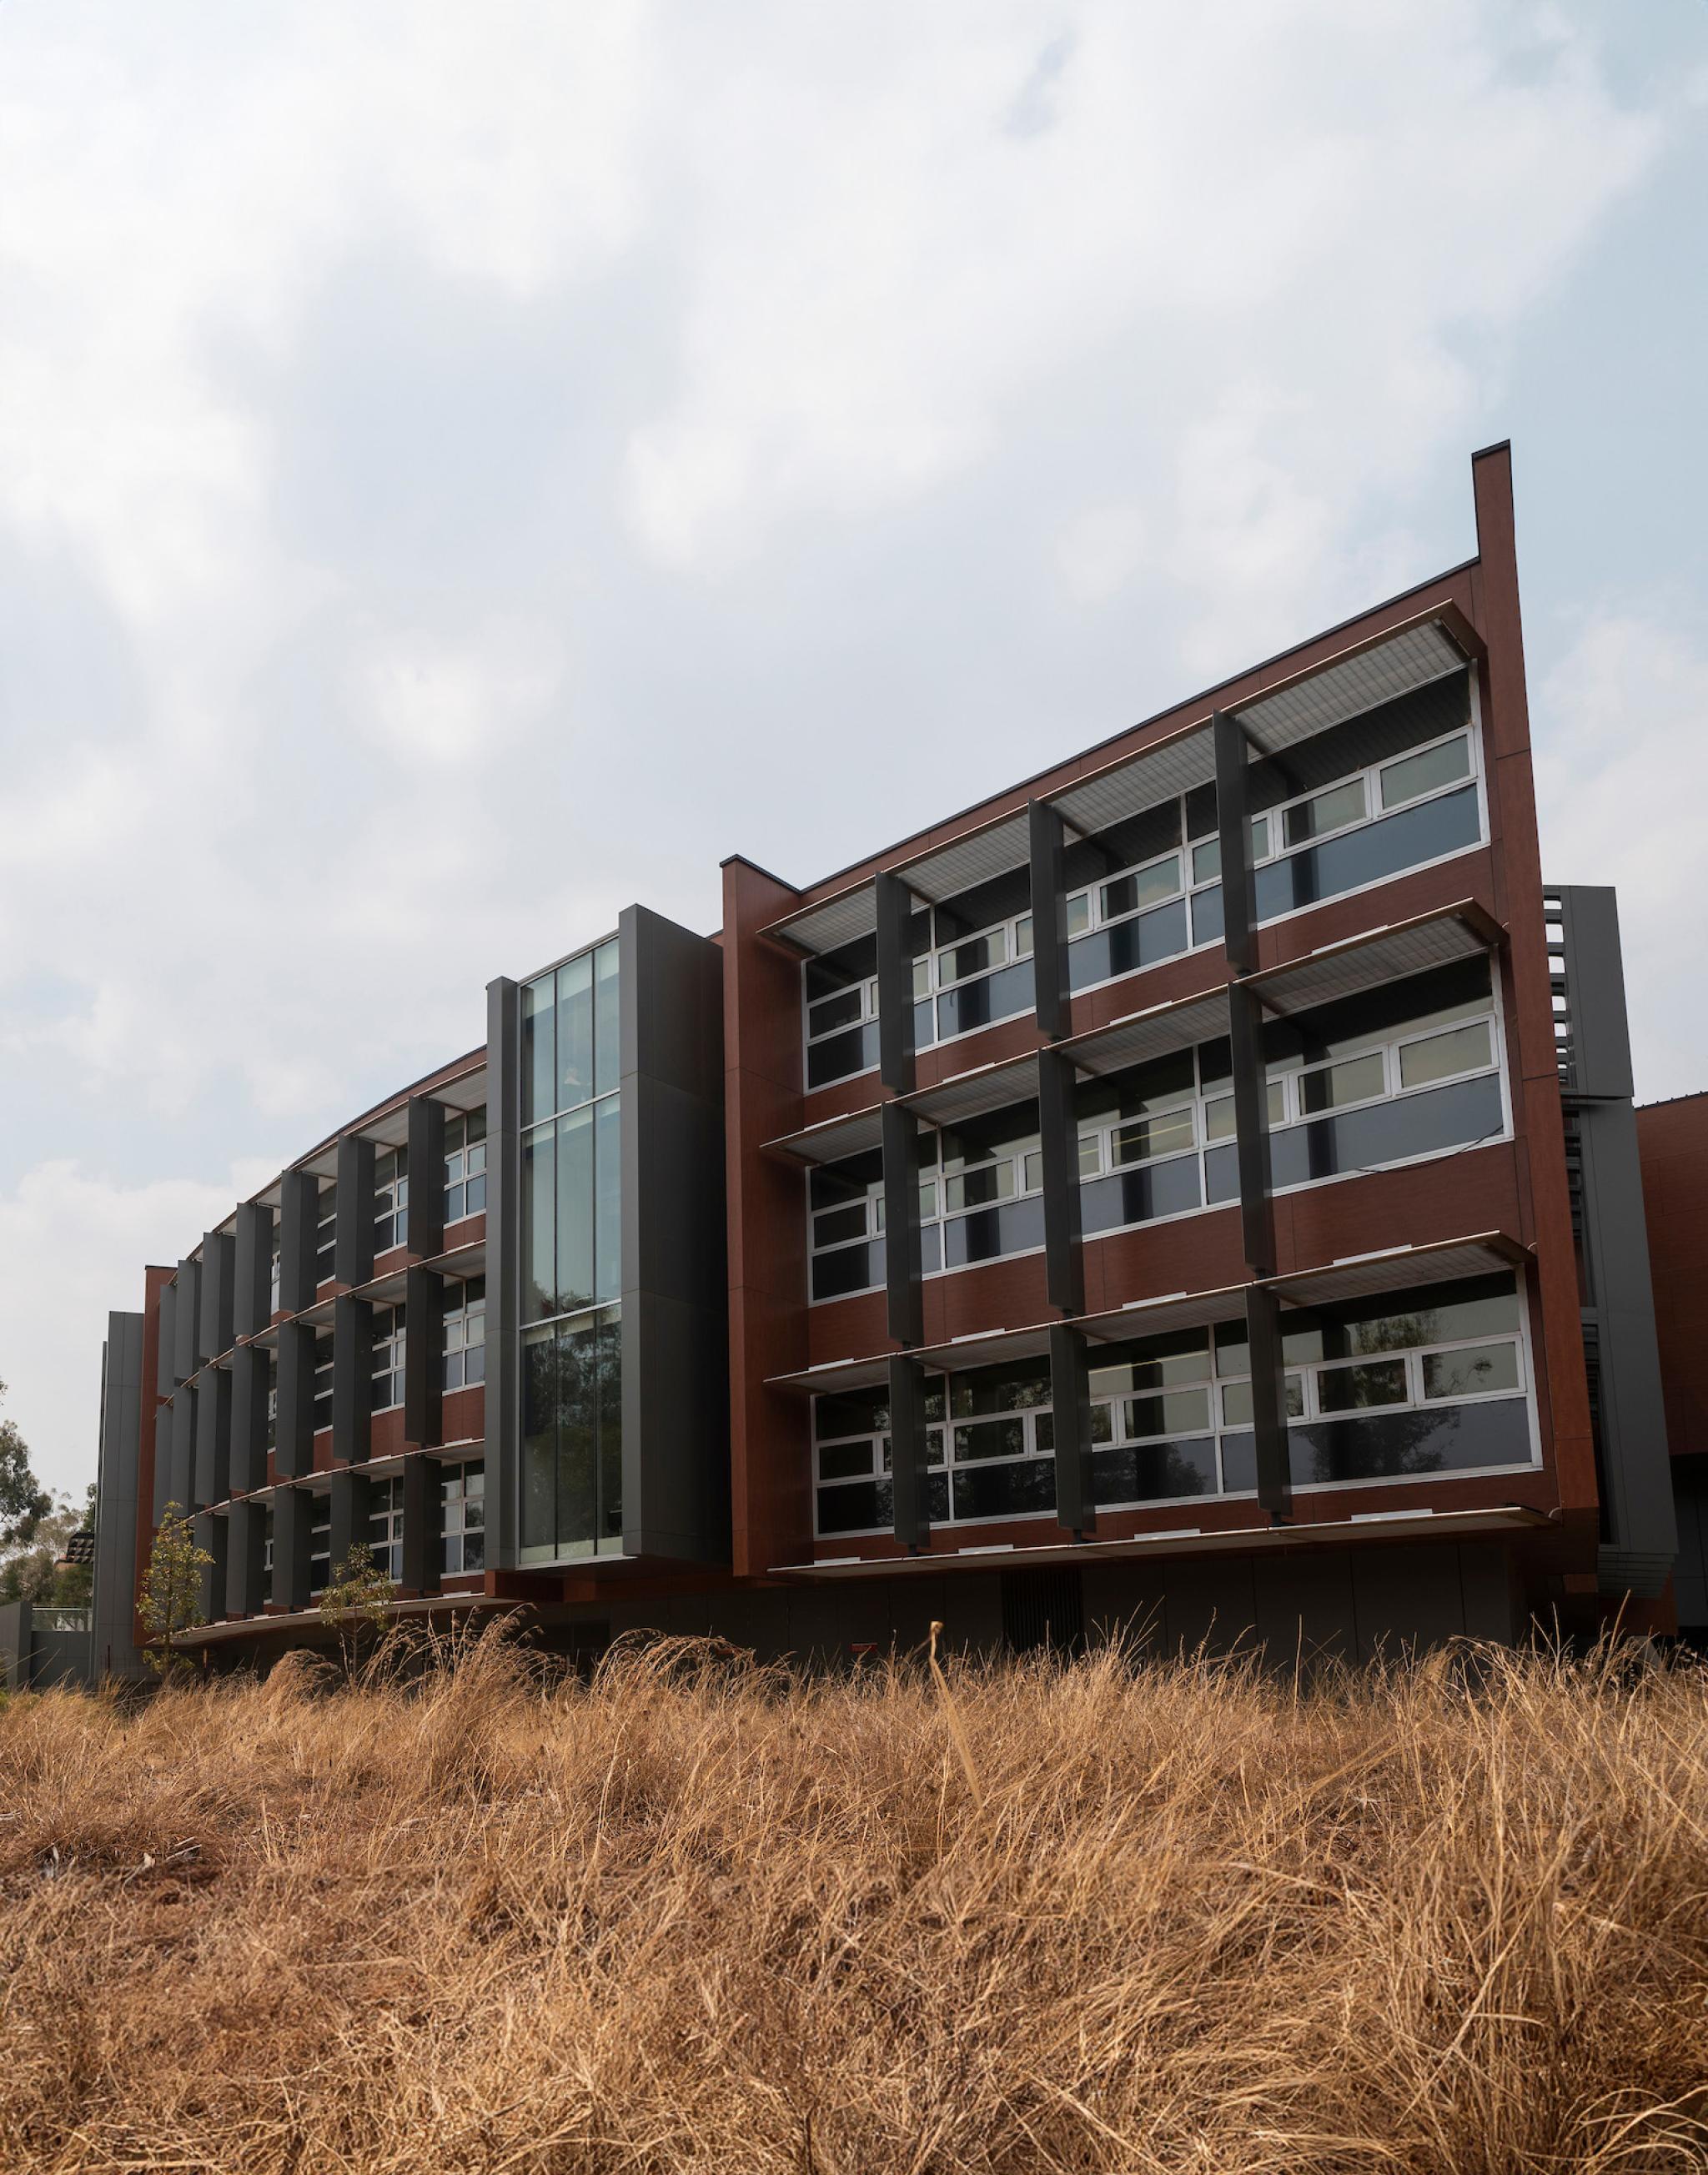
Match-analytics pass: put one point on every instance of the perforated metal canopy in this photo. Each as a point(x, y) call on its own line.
point(832, 1139)
point(1397, 1268)
point(1359, 678)
point(1377, 956)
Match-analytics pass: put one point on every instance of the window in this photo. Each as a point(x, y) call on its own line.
point(323, 1380)
point(1142, 887)
point(1461, 1050)
point(1218, 1113)
point(326, 1230)
point(1471, 1371)
point(1333, 1087)
point(571, 1162)
point(273, 1273)
point(462, 1518)
point(465, 1165)
point(391, 1198)
point(389, 1343)
point(465, 1335)
point(386, 1527)
point(1335, 810)
point(273, 1401)
point(1426, 772)
point(1236, 1401)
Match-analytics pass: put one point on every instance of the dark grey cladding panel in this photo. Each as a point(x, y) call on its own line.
point(426, 1159)
point(293, 1513)
point(1595, 982)
point(163, 1461)
point(294, 1427)
point(212, 1538)
point(213, 1334)
point(186, 1318)
point(503, 1118)
point(250, 1371)
point(213, 1482)
point(251, 1269)
point(353, 1233)
point(424, 1311)
point(299, 1215)
point(183, 1481)
point(166, 1332)
point(421, 1566)
point(349, 1523)
point(352, 1377)
point(117, 1508)
point(674, 1321)
point(246, 1561)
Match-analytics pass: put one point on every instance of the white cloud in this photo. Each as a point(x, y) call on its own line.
point(1099, 552)
point(1620, 728)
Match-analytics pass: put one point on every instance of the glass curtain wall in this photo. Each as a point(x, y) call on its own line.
point(571, 1193)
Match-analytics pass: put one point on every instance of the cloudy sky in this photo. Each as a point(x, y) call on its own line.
point(462, 468)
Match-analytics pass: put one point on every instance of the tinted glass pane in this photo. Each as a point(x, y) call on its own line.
point(1019, 1385)
point(608, 1051)
point(855, 1509)
point(1330, 1087)
point(832, 1225)
point(999, 996)
point(834, 1012)
point(610, 1427)
point(1416, 774)
point(1423, 833)
point(1326, 811)
point(1350, 1389)
point(539, 1440)
point(848, 1269)
point(1169, 1134)
point(577, 1422)
point(575, 1031)
point(574, 1206)
point(1471, 1372)
point(1148, 887)
point(1161, 934)
point(1154, 1471)
point(988, 1233)
point(1387, 1132)
point(1461, 1050)
point(855, 1412)
point(539, 1059)
point(1005, 1491)
point(608, 1239)
point(845, 1460)
point(840, 1056)
point(1152, 1363)
point(539, 1225)
point(1236, 1401)
point(1138, 1196)
point(1179, 1411)
point(1444, 1438)
point(996, 1438)
point(1208, 924)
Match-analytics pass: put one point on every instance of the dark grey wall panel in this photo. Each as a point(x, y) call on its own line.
point(504, 1117)
point(245, 1579)
point(426, 1144)
point(350, 1518)
point(183, 1448)
point(113, 1651)
point(895, 978)
point(424, 1317)
point(294, 1427)
point(212, 1538)
point(214, 1335)
point(213, 1482)
point(353, 1235)
point(1070, 1393)
point(299, 1216)
point(1049, 964)
point(293, 1512)
point(166, 1358)
point(352, 1375)
point(186, 1320)
point(902, 1253)
point(251, 1269)
point(908, 1438)
point(421, 1525)
point(250, 1370)
point(163, 1461)
point(1058, 1128)
point(675, 1404)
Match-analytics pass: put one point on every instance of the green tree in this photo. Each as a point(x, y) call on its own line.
point(33, 1571)
point(171, 1598)
point(24, 1501)
point(358, 1604)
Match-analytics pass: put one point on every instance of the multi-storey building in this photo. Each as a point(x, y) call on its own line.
point(1178, 1192)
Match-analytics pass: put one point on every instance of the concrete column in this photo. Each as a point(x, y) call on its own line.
point(213, 1481)
point(421, 1550)
point(352, 1374)
point(245, 1582)
point(251, 1369)
point(294, 1432)
point(1070, 1397)
point(426, 1119)
point(214, 1335)
point(895, 911)
point(213, 1535)
point(909, 1486)
point(186, 1320)
point(1050, 962)
point(293, 1510)
point(902, 1263)
point(299, 1217)
point(424, 1317)
point(252, 1270)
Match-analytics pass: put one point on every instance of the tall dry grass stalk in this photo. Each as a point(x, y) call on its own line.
point(703, 1917)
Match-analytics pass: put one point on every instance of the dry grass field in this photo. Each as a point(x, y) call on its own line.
point(701, 1917)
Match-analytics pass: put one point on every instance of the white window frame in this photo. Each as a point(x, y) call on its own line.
point(454, 1523)
point(325, 1231)
point(390, 1515)
point(387, 1361)
point(392, 1202)
point(1214, 1383)
point(455, 1343)
point(459, 1171)
point(328, 1369)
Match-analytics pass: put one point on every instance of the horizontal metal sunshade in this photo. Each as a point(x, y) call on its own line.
point(1383, 955)
point(987, 1348)
point(1156, 1032)
point(1395, 664)
point(833, 1138)
point(863, 1374)
point(1357, 679)
point(1399, 1267)
point(1153, 1317)
point(966, 1095)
